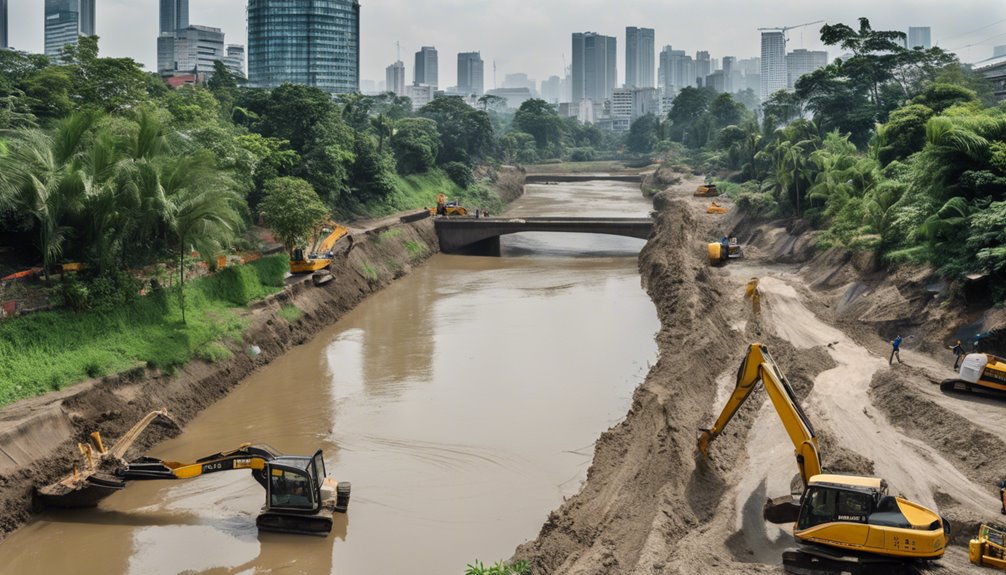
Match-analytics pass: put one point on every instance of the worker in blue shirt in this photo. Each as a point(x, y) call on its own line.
point(895, 349)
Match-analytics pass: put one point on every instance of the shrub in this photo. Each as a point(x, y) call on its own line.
point(272, 270)
point(214, 352)
point(581, 154)
point(290, 313)
point(460, 173)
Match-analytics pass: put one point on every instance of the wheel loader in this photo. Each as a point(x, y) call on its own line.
point(300, 497)
point(988, 548)
point(979, 372)
point(842, 523)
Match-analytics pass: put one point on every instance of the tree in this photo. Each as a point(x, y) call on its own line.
point(538, 118)
point(903, 134)
point(372, 174)
point(459, 173)
point(938, 96)
point(644, 134)
point(416, 144)
point(292, 210)
point(687, 108)
point(42, 176)
point(202, 211)
point(518, 147)
point(466, 134)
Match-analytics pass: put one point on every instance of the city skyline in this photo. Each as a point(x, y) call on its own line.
point(129, 28)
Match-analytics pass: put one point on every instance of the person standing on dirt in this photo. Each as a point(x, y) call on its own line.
point(958, 353)
point(895, 351)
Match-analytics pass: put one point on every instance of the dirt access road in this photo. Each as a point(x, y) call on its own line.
point(652, 504)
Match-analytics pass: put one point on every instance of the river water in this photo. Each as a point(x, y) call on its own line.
point(462, 403)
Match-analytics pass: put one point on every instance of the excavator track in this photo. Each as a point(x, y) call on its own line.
point(815, 560)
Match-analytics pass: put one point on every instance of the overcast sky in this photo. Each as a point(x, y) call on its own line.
point(533, 36)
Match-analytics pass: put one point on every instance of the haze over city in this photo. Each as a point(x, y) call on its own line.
point(533, 38)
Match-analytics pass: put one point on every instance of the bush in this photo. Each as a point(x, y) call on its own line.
point(500, 568)
point(459, 173)
point(74, 294)
point(290, 313)
point(214, 352)
point(272, 270)
point(581, 154)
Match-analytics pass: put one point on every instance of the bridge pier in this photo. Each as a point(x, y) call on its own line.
point(487, 247)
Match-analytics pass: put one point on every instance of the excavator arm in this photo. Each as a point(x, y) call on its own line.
point(759, 367)
point(247, 456)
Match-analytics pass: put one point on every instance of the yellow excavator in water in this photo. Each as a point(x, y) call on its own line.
point(843, 523)
point(300, 497)
point(979, 372)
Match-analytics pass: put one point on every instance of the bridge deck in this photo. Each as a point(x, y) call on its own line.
point(457, 233)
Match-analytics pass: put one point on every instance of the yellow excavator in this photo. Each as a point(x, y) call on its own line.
point(979, 372)
point(300, 497)
point(988, 548)
point(843, 523)
point(722, 251)
point(319, 257)
point(706, 190)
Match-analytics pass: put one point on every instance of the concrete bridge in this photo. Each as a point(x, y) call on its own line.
point(556, 178)
point(482, 235)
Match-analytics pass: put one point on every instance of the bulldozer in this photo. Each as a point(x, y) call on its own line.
point(300, 497)
point(319, 257)
point(979, 372)
point(722, 251)
point(988, 548)
point(842, 523)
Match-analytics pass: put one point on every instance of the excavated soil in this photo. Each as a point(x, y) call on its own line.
point(652, 504)
point(38, 436)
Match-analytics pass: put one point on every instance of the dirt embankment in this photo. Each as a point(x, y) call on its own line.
point(38, 436)
point(652, 505)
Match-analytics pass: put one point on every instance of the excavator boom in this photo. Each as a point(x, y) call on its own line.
point(759, 367)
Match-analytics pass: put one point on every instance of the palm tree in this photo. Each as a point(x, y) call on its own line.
point(42, 176)
point(202, 211)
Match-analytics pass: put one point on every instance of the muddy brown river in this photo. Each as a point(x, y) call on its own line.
point(462, 403)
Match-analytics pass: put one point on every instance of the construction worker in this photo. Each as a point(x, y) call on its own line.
point(724, 248)
point(958, 353)
point(895, 350)
point(441, 204)
point(1002, 495)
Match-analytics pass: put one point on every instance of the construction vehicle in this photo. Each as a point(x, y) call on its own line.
point(715, 208)
point(988, 548)
point(843, 523)
point(979, 372)
point(706, 190)
point(723, 250)
point(300, 497)
point(448, 208)
point(319, 257)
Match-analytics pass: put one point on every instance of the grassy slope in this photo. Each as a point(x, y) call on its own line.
point(51, 350)
point(420, 191)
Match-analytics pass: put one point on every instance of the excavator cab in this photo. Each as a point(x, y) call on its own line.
point(300, 497)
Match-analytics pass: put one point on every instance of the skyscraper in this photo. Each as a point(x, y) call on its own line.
point(800, 62)
point(235, 59)
point(174, 15)
point(919, 37)
point(773, 63)
point(65, 21)
point(703, 65)
point(471, 70)
point(394, 78)
point(594, 69)
point(197, 48)
point(729, 63)
point(310, 42)
point(4, 43)
point(551, 89)
point(639, 56)
point(426, 72)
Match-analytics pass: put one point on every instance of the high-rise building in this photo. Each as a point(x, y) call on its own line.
point(310, 42)
point(197, 48)
point(639, 56)
point(595, 71)
point(729, 65)
point(65, 21)
point(426, 72)
point(919, 37)
point(420, 95)
point(800, 62)
point(551, 90)
point(773, 63)
point(394, 78)
point(630, 104)
point(519, 80)
point(703, 64)
point(4, 42)
point(471, 72)
point(999, 51)
point(677, 70)
point(174, 15)
point(234, 60)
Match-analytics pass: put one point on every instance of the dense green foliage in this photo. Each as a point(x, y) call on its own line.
point(292, 210)
point(49, 350)
point(498, 568)
point(898, 151)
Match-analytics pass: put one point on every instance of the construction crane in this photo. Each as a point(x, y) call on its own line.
point(785, 29)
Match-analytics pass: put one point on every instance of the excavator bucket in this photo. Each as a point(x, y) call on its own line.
point(102, 472)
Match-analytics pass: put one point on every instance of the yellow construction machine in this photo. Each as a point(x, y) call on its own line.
point(723, 250)
point(715, 208)
point(979, 372)
point(843, 523)
point(988, 548)
point(706, 190)
point(447, 208)
point(319, 257)
point(300, 497)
